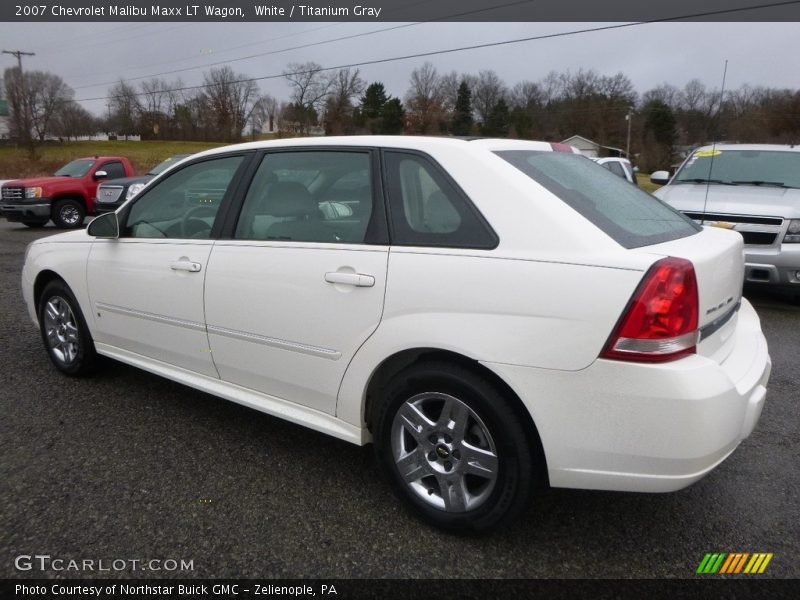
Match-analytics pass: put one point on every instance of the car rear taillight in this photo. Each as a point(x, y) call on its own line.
point(660, 322)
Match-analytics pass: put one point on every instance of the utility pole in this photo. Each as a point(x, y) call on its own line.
point(26, 113)
point(628, 118)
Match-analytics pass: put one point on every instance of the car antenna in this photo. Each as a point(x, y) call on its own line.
point(714, 141)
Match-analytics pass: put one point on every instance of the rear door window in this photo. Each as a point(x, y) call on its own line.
point(630, 216)
point(427, 209)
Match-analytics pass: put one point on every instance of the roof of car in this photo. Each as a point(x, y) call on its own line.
point(405, 142)
point(758, 147)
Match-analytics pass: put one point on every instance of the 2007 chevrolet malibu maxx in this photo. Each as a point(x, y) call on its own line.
point(492, 314)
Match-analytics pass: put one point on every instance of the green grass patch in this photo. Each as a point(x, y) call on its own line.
point(15, 163)
point(643, 179)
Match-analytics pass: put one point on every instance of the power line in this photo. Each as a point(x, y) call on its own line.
point(474, 47)
point(309, 45)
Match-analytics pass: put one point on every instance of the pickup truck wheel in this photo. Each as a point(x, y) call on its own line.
point(68, 214)
point(34, 223)
point(64, 332)
point(454, 448)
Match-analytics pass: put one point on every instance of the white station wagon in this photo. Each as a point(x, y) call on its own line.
point(492, 314)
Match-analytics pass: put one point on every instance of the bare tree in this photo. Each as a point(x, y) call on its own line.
point(487, 91)
point(345, 85)
point(309, 90)
point(124, 108)
point(46, 92)
point(425, 100)
point(71, 121)
point(230, 97)
point(264, 112)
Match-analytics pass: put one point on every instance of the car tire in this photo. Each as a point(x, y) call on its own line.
point(64, 332)
point(34, 224)
point(68, 214)
point(455, 450)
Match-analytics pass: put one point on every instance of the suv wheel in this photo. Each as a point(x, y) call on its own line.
point(454, 449)
point(64, 331)
point(68, 214)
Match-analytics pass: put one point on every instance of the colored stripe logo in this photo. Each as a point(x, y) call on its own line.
point(734, 563)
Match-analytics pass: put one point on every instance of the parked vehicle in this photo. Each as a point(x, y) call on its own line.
point(492, 314)
point(753, 189)
point(112, 194)
point(621, 167)
point(66, 197)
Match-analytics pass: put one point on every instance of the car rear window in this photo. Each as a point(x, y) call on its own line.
point(630, 216)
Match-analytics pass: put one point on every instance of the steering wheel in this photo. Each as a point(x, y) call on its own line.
point(191, 224)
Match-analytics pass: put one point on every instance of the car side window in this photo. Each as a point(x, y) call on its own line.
point(313, 196)
point(615, 168)
point(115, 170)
point(184, 204)
point(428, 210)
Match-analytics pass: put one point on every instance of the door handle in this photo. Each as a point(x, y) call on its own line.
point(184, 264)
point(356, 279)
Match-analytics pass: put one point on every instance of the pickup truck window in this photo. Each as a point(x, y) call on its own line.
point(114, 169)
point(77, 168)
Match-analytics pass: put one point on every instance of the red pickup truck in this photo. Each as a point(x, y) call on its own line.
point(66, 198)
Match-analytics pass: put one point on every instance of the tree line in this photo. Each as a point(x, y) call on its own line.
point(229, 106)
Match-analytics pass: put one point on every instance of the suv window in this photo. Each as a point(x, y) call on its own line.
point(115, 170)
point(185, 204)
point(615, 168)
point(309, 196)
point(428, 210)
point(630, 216)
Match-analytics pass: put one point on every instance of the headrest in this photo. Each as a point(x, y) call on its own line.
point(288, 199)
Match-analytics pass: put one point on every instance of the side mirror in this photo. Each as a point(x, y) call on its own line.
point(659, 177)
point(105, 226)
point(100, 174)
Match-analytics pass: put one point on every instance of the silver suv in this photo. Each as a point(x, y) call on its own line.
point(750, 188)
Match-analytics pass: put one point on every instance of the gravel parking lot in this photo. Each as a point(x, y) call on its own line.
point(127, 465)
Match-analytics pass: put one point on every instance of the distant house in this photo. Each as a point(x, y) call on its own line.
point(592, 149)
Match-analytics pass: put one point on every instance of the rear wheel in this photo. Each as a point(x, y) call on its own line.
point(68, 214)
point(454, 448)
point(64, 331)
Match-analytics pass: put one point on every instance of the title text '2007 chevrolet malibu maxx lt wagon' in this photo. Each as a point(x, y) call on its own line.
point(492, 314)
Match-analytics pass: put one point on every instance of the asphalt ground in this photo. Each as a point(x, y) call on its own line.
point(126, 465)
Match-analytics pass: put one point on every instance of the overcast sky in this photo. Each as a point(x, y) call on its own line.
point(89, 56)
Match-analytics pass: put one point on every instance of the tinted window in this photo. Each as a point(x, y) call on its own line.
point(428, 210)
point(185, 204)
point(627, 214)
point(313, 196)
point(615, 168)
point(115, 170)
point(756, 167)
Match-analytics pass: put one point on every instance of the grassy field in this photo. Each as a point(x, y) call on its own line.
point(15, 163)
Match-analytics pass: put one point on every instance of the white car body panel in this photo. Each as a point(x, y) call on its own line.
point(288, 321)
point(167, 322)
point(536, 311)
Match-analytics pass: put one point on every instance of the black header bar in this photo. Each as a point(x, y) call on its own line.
point(399, 10)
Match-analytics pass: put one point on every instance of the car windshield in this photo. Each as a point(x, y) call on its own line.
point(742, 167)
point(630, 216)
point(77, 168)
point(163, 166)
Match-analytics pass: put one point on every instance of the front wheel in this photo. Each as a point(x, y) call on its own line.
point(64, 331)
point(455, 449)
point(68, 214)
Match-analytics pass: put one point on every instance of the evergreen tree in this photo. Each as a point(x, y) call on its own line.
point(462, 113)
point(370, 112)
point(394, 116)
point(499, 121)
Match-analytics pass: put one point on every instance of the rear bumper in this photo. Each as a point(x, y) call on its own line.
point(646, 428)
point(776, 266)
point(26, 211)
